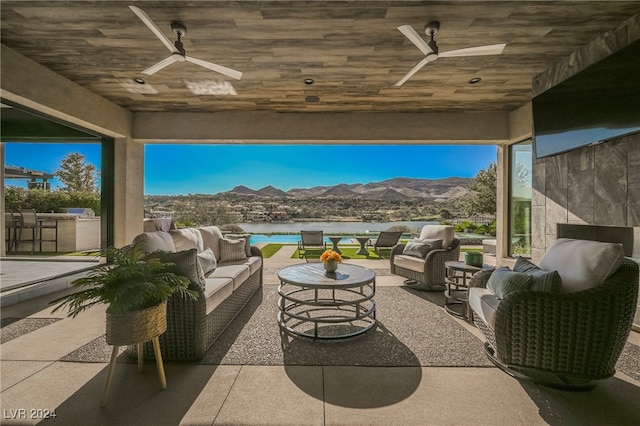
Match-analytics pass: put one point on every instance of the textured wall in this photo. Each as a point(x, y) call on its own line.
point(596, 185)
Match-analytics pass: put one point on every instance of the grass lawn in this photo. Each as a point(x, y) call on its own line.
point(270, 249)
point(347, 253)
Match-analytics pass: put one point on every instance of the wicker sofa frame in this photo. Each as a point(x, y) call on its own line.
point(563, 340)
point(433, 277)
point(190, 331)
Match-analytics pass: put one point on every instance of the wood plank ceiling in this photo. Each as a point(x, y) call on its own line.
point(351, 49)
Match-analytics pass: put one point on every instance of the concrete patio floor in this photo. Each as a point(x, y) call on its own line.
point(35, 382)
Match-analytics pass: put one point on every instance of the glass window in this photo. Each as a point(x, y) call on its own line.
point(521, 160)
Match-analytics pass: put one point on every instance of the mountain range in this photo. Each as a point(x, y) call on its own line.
point(394, 189)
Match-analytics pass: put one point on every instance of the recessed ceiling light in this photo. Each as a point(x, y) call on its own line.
point(308, 81)
point(312, 98)
point(475, 80)
point(139, 80)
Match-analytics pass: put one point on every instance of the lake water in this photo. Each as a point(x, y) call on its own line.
point(329, 228)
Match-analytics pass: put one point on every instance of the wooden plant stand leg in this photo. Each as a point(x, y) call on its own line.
point(159, 364)
point(140, 356)
point(107, 383)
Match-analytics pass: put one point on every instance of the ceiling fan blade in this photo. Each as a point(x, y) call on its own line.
point(415, 38)
point(491, 49)
point(414, 70)
point(153, 27)
point(215, 67)
point(160, 65)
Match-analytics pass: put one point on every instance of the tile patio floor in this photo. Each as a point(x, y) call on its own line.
point(33, 380)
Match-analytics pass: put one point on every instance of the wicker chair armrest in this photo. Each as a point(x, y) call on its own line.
point(255, 251)
point(397, 249)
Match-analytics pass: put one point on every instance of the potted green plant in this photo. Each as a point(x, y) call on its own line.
point(136, 287)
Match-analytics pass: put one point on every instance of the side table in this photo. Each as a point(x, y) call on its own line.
point(363, 250)
point(458, 272)
point(335, 240)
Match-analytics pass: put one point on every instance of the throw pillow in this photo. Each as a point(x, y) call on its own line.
point(504, 281)
point(582, 264)
point(184, 263)
point(232, 250)
point(546, 281)
point(207, 261)
point(245, 237)
point(433, 242)
point(417, 249)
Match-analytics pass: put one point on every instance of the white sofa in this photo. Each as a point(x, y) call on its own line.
point(225, 271)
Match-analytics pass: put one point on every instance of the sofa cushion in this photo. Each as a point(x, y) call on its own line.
point(152, 241)
point(211, 237)
point(232, 250)
point(238, 273)
point(504, 281)
point(411, 263)
point(582, 264)
point(207, 261)
point(216, 291)
point(254, 263)
point(245, 237)
point(545, 281)
point(184, 263)
point(446, 233)
point(416, 249)
point(484, 304)
point(187, 238)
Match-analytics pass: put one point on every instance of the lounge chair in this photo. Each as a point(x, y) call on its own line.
point(567, 326)
point(422, 259)
point(312, 241)
point(386, 239)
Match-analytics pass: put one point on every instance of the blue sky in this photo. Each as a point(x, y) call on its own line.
point(183, 169)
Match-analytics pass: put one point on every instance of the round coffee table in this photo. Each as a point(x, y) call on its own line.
point(321, 305)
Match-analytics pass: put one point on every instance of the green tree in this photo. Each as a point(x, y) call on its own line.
point(483, 198)
point(77, 175)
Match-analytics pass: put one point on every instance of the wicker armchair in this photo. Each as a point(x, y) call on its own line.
point(426, 274)
point(563, 340)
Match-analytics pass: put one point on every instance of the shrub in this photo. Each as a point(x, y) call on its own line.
point(40, 200)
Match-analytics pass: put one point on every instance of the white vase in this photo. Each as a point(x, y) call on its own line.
point(330, 265)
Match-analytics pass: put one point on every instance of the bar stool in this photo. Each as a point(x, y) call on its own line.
point(48, 224)
point(29, 221)
point(11, 224)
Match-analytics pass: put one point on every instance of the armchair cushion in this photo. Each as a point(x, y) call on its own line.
point(548, 281)
point(504, 281)
point(582, 264)
point(446, 233)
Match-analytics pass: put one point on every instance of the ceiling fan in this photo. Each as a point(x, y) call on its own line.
point(430, 49)
point(178, 53)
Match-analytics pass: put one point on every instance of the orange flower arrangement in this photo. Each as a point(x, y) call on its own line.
point(331, 255)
